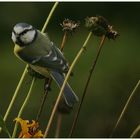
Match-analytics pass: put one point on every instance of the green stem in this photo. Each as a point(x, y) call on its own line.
point(15, 94)
point(86, 86)
point(64, 83)
point(49, 16)
point(23, 106)
point(125, 107)
point(134, 133)
point(25, 70)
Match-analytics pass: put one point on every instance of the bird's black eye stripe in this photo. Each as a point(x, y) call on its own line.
point(25, 31)
point(14, 32)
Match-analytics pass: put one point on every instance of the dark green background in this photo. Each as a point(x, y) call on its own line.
point(116, 74)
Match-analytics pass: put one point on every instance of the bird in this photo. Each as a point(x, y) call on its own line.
point(36, 49)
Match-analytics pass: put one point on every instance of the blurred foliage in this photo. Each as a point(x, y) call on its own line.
point(117, 71)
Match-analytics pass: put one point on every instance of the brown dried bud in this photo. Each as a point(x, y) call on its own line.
point(69, 25)
point(112, 34)
point(99, 26)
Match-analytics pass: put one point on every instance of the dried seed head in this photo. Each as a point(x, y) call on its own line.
point(112, 34)
point(99, 26)
point(69, 25)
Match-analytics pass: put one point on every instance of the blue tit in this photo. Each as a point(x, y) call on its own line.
point(36, 49)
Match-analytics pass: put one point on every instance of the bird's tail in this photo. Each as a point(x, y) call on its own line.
point(69, 94)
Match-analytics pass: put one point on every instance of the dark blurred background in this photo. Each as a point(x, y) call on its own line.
point(116, 74)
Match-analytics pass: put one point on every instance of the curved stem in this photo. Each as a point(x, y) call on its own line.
point(15, 94)
point(23, 106)
point(63, 41)
point(64, 83)
point(134, 133)
point(86, 87)
point(49, 16)
point(125, 107)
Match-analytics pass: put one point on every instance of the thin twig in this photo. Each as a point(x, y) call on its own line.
point(15, 95)
point(49, 16)
point(64, 83)
point(86, 87)
point(125, 108)
point(135, 132)
point(58, 126)
point(49, 81)
point(22, 107)
point(59, 117)
point(63, 41)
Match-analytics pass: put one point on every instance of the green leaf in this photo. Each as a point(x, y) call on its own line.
point(3, 126)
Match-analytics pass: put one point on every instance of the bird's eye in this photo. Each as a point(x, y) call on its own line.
point(24, 32)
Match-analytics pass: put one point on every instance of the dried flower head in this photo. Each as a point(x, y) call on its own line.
point(99, 26)
point(29, 130)
point(69, 25)
point(112, 34)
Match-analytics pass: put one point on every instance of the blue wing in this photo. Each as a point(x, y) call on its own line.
point(69, 94)
point(53, 60)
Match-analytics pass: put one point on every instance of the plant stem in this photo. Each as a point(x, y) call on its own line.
point(63, 41)
point(58, 127)
point(43, 99)
point(64, 83)
point(49, 16)
point(23, 106)
point(15, 94)
point(25, 70)
point(59, 117)
point(86, 87)
point(125, 107)
point(134, 133)
point(46, 93)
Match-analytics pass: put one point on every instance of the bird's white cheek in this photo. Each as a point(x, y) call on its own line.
point(13, 37)
point(25, 39)
point(28, 37)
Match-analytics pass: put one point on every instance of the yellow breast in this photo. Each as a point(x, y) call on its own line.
point(17, 49)
point(41, 70)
